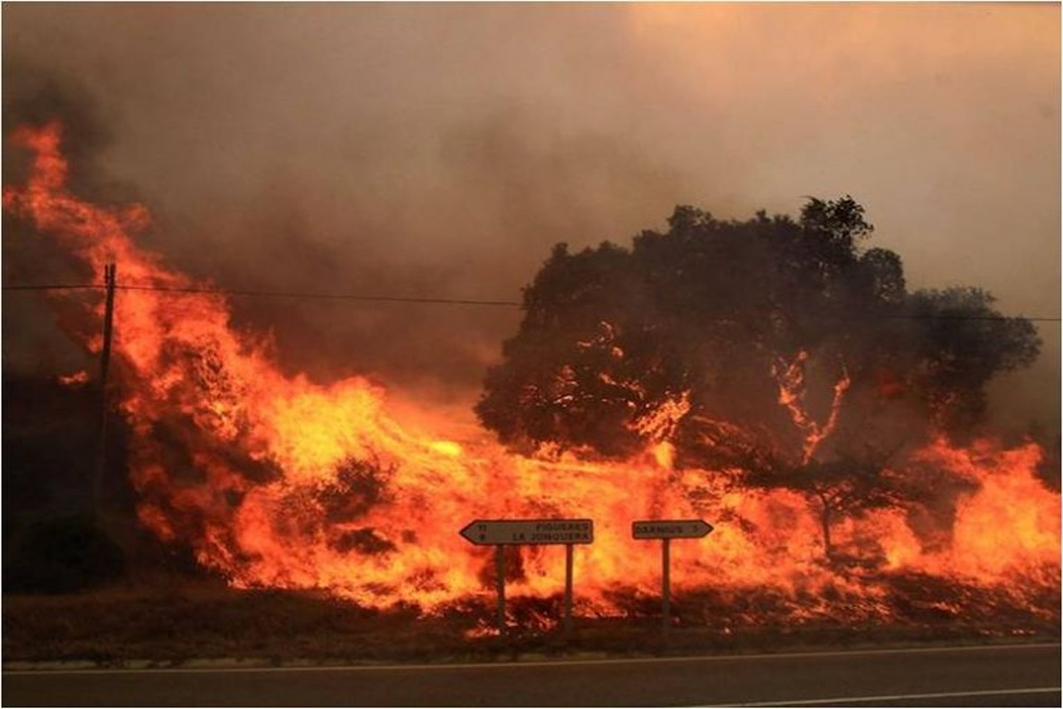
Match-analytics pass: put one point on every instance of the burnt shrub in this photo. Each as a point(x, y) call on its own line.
point(61, 554)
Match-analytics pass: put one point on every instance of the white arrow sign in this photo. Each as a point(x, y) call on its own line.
point(670, 529)
point(529, 531)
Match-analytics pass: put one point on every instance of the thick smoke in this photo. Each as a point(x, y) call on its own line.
point(33, 95)
point(441, 151)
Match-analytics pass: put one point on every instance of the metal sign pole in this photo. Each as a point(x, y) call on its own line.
point(500, 570)
point(666, 530)
point(517, 532)
point(666, 584)
point(568, 589)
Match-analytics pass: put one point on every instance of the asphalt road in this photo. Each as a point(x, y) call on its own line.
point(1017, 675)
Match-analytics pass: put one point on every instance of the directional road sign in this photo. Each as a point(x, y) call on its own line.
point(670, 529)
point(666, 530)
point(529, 531)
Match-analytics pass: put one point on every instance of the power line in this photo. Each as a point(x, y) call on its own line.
point(326, 296)
point(969, 317)
point(191, 290)
point(50, 286)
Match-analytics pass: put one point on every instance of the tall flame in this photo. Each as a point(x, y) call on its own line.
point(277, 481)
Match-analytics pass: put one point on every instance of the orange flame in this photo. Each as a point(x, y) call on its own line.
point(791, 382)
point(287, 483)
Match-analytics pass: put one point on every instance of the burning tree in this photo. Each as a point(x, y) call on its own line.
point(765, 352)
point(843, 487)
point(740, 342)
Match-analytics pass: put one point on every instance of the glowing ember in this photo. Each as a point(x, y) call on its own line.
point(285, 483)
point(77, 379)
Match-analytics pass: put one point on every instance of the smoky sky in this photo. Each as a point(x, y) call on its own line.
point(429, 150)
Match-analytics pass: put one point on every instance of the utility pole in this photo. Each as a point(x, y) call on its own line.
point(109, 276)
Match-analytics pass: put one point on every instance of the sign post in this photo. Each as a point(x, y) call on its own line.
point(515, 532)
point(666, 530)
point(568, 589)
point(500, 584)
point(666, 584)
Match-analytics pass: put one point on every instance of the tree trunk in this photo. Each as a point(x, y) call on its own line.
point(824, 521)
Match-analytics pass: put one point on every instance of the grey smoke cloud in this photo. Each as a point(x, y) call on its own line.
point(440, 150)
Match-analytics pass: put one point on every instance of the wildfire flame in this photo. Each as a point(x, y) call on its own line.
point(276, 481)
point(791, 382)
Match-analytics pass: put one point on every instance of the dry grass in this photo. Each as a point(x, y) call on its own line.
point(205, 621)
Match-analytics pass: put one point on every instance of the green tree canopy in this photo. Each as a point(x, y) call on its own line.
point(753, 344)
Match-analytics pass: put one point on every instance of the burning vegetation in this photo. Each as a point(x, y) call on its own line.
point(771, 376)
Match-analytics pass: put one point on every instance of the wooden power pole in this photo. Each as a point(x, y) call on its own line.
point(109, 276)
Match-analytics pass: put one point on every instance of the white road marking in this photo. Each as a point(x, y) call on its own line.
point(897, 697)
point(516, 664)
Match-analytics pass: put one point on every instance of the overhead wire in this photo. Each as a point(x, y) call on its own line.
point(192, 290)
